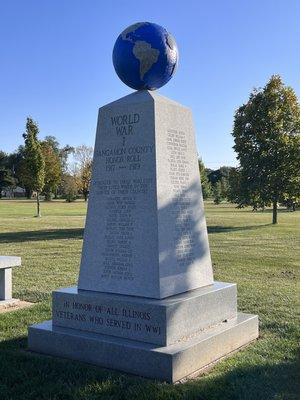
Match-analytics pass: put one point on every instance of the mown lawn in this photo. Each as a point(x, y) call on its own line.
point(246, 249)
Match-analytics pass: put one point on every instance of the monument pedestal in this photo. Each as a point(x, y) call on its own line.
point(146, 301)
point(166, 339)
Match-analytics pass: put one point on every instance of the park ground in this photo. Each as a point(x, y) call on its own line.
point(262, 259)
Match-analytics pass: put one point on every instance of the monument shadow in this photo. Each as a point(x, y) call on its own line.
point(197, 251)
point(225, 229)
point(40, 235)
point(26, 375)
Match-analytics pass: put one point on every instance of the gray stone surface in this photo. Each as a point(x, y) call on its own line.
point(145, 232)
point(149, 320)
point(6, 264)
point(5, 284)
point(9, 262)
point(170, 363)
point(146, 302)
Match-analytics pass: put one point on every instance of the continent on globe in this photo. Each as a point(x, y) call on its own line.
point(145, 56)
point(131, 29)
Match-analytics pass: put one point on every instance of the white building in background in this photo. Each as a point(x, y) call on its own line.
point(10, 193)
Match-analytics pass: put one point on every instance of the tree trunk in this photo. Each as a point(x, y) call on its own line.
point(38, 204)
point(85, 195)
point(274, 221)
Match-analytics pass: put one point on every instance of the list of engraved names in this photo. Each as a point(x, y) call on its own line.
point(124, 161)
point(179, 182)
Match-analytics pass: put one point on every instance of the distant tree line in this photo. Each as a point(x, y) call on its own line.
point(266, 134)
point(215, 183)
point(41, 167)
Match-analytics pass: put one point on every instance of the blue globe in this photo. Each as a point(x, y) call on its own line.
point(145, 56)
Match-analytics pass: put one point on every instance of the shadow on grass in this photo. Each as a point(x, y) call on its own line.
point(77, 233)
point(270, 211)
point(30, 376)
point(50, 234)
point(261, 382)
point(225, 229)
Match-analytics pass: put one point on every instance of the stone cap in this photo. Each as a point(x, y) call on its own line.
point(141, 96)
point(167, 301)
point(9, 262)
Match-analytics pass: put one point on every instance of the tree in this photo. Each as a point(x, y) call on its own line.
point(52, 142)
point(53, 171)
point(238, 192)
point(219, 182)
point(7, 179)
point(21, 172)
point(69, 186)
point(216, 175)
point(206, 187)
point(267, 142)
point(219, 191)
point(63, 154)
point(34, 164)
point(235, 193)
point(83, 168)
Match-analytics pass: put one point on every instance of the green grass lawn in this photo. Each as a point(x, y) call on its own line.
point(262, 259)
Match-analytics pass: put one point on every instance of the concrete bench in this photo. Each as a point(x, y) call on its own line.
point(6, 265)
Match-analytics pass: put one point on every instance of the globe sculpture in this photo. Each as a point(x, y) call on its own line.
point(145, 56)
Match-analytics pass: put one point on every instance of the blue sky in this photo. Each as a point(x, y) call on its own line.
point(55, 62)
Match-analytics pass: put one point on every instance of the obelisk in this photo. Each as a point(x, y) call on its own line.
point(146, 302)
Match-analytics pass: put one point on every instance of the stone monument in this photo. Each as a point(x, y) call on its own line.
point(6, 265)
point(146, 302)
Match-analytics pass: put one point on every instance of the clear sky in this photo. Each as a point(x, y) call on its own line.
point(55, 62)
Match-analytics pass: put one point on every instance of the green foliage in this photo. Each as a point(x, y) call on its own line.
point(52, 142)
point(3, 159)
point(34, 164)
point(205, 184)
point(216, 175)
point(219, 181)
point(83, 169)
point(70, 190)
point(63, 153)
point(20, 168)
point(267, 142)
point(53, 169)
point(15, 162)
point(61, 166)
point(219, 191)
point(7, 179)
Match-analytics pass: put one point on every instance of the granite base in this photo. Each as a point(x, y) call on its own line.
point(170, 363)
point(158, 321)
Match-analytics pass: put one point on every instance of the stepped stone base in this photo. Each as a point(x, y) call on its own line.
point(158, 321)
point(166, 339)
point(169, 363)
